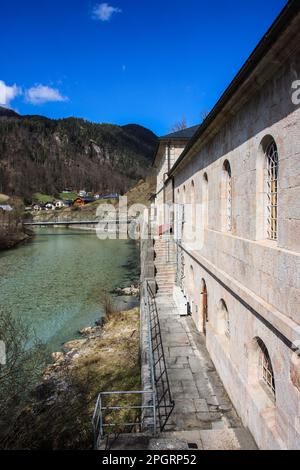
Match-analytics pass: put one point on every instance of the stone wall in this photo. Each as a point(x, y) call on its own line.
point(258, 279)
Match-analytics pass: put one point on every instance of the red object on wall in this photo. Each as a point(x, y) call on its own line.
point(164, 229)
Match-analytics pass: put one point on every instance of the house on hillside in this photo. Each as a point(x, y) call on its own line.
point(6, 207)
point(37, 207)
point(59, 204)
point(109, 196)
point(68, 202)
point(50, 206)
point(82, 201)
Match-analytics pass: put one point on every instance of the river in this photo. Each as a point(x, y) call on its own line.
point(54, 282)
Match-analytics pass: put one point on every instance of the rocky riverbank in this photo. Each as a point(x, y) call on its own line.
point(105, 358)
point(132, 291)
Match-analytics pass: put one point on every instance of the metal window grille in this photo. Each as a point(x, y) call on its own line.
point(183, 214)
point(228, 197)
point(180, 266)
point(272, 190)
point(227, 324)
point(266, 373)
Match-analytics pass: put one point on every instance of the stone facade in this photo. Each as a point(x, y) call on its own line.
point(242, 286)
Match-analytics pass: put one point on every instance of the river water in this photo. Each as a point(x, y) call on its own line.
point(54, 282)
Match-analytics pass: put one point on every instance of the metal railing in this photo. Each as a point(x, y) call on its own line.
point(164, 401)
point(115, 413)
point(171, 251)
point(112, 418)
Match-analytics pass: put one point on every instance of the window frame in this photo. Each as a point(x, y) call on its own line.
point(227, 174)
point(265, 370)
point(271, 185)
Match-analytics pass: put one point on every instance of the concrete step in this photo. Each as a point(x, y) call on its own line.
point(215, 439)
point(211, 439)
point(165, 284)
point(165, 277)
point(163, 270)
point(165, 292)
point(144, 442)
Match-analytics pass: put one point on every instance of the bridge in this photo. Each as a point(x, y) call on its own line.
point(64, 223)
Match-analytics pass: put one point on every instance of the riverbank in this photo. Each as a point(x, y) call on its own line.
point(11, 238)
point(105, 359)
point(12, 230)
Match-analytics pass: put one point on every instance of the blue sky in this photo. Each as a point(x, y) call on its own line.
point(149, 62)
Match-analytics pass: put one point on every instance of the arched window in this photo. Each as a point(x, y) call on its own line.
point(183, 211)
point(224, 318)
point(204, 306)
point(193, 203)
point(205, 200)
point(227, 195)
point(191, 282)
point(265, 370)
point(272, 190)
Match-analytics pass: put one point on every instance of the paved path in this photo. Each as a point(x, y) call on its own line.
point(203, 412)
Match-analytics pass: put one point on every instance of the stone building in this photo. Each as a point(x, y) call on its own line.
point(233, 183)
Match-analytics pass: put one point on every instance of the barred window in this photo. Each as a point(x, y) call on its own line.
point(224, 317)
point(228, 195)
point(205, 200)
point(193, 203)
point(266, 374)
point(272, 190)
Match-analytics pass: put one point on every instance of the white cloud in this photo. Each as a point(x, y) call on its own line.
point(40, 94)
point(104, 11)
point(8, 93)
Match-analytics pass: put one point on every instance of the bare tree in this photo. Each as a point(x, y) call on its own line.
point(204, 114)
point(179, 125)
point(26, 358)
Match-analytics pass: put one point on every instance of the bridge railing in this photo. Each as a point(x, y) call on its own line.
point(58, 222)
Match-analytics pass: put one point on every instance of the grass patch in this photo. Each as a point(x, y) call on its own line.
point(68, 196)
point(3, 198)
point(42, 198)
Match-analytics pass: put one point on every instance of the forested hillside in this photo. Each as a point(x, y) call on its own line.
point(38, 154)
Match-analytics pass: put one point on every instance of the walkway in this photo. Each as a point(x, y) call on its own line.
point(203, 414)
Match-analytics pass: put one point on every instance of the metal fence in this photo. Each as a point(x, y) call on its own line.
point(164, 401)
point(116, 414)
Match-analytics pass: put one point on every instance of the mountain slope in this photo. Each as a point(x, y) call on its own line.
point(38, 154)
point(5, 112)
